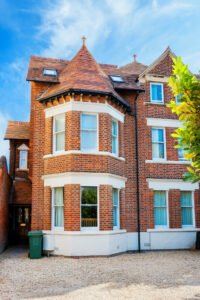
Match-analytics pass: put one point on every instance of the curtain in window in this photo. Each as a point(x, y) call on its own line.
point(160, 208)
point(186, 208)
point(156, 92)
point(58, 208)
point(115, 208)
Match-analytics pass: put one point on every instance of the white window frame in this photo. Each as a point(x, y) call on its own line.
point(165, 146)
point(162, 89)
point(26, 160)
point(55, 133)
point(167, 209)
point(117, 137)
point(97, 132)
point(98, 211)
point(56, 228)
point(118, 212)
point(193, 212)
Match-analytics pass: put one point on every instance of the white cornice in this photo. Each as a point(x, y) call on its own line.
point(170, 162)
point(158, 122)
point(171, 184)
point(84, 179)
point(84, 107)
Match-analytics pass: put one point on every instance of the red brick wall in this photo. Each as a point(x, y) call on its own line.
point(174, 209)
point(22, 191)
point(5, 184)
point(72, 207)
point(105, 207)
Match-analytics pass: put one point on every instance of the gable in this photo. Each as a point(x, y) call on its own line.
point(164, 67)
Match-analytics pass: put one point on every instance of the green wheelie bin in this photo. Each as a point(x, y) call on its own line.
point(35, 244)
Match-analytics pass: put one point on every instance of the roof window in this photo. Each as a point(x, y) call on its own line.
point(50, 72)
point(116, 78)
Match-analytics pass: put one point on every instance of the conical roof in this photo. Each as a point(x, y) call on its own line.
point(134, 67)
point(82, 73)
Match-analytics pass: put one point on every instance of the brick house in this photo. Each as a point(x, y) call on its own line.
point(105, 175)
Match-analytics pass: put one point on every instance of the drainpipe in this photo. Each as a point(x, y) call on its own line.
point(14, 160)
point(137, 171)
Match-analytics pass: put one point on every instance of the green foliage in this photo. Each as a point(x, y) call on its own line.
point(187, 87)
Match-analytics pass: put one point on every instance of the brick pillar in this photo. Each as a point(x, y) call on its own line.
point(72, 129)
point(72, 207)
point(47, 208)
point(149, 209)
point(122, 209)
point(121, 139)
point(105, 207)
point(197, 207)
point(105, 132)
point(174, 209)
point(48, 136)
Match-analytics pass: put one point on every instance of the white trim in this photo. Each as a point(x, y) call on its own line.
point(174, 162)
point(164, 122)
point(164, 142)
point(98, 232)
point(156, 101)
point(154, 78)
point(83, 152)
point(84, 107)
point(84, 179)
point(23, 147)
point(185, 229)
point(171, 184)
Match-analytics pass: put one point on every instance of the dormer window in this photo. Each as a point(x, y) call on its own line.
point(23, 157)
point(50, 72)
point(116, 78)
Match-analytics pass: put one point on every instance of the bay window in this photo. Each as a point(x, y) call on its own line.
point(160, 209)
point(116, 209)
point(58, 207)
point(59, 133)
point(115, 139)
point(187, 209)
point(89, 207)
point(88, 132)
point(158, 143)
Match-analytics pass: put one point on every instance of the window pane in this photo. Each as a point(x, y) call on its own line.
point(60, 141)
point(58, 216)
point(181, 152)
point(60, 123)
point(158, 150)
point(156, 92)
point(23, 154)
point(114, 128)
point(159, 198)
point(115, 197)
point(89, 195)
point(88, 122)
point(157, 135)
point(115, 216)
point(58, 196)
point(186, 214)
point(88, 140)
point(186, 199)
point(160, 208)
point(114, 145)
point(89, 216)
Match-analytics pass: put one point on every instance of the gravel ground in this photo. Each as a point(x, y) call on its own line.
point(150, 275)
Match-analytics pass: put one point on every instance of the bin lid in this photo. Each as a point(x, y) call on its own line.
point(35, 233)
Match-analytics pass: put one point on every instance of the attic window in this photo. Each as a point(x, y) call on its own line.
point(50, 72)
point(116, 78)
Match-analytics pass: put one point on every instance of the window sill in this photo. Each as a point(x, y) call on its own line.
point(85, 232)
point(178, 162)
point(83, 153)
point(18, 169)
point(155, 103)
point(173, 229)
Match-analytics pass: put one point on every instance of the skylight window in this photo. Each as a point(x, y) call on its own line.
point(50, 72)
point(117, 78)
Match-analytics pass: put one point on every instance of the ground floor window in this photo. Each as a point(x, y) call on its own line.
point(116, 213)
point(160, 209)
point(89, 207)
point(187, 209)
point(58, 207)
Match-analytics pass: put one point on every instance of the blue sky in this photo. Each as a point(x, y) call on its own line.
point(115, 30)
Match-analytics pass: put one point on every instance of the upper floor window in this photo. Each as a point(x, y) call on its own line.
point(158, 144)
point(23, 159)
point(59, 133)
point(181, 152)
point(88, 132)
point(187, 209)
point(89, 207)
point(58, 207)
point(115, 139)
point(160, 209)
point(156, 92)
point(116, 210)
point(178, 99)
point(116, 78)
point(50, 72)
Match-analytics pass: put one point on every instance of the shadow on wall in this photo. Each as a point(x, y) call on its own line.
point(5, 184)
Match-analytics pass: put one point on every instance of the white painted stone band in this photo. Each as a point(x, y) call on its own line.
point(171, 184)
point(84, 179)
point(84, 107)
point(158, 122)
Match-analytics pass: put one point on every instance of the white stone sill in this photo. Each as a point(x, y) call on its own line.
point(83, 153)
point(18, 169)
point(82, 233)
point(155, 103)
point(185, 229)
point(174, 162)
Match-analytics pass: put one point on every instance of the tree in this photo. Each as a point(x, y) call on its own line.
point(186, 89)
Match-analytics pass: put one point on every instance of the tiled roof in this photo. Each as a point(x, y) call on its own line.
point(135, 68)
point(17, 130)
